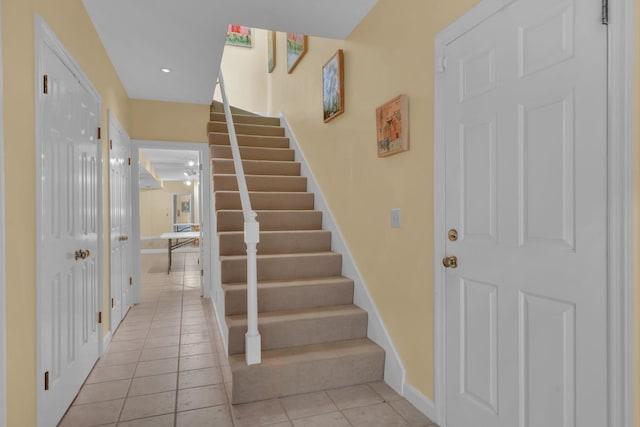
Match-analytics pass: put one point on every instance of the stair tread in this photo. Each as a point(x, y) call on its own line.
point(217, 159)
point(265, 192)
point(258, 211)
point(248, 175)
point(248, 136)
point(309, 353)
point(251, 148)
point(297, 314)
point(272, 256)
point(292, 282)
point(272, 232)
point(248, 124)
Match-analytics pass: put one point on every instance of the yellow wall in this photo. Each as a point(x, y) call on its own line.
point(155, 208)
point(389, 53)
point(71, 24)
point(168, 121)
point(636, 207)
point(245, 71)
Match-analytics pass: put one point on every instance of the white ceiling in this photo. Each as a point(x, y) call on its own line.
point(187, 36)
point(170, 165)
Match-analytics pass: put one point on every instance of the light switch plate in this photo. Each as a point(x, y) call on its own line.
point(396, 218)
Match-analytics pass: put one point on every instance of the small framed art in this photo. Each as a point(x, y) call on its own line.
point(392, 126)
point(238, 35)
point(296, 48)
point(333, 87)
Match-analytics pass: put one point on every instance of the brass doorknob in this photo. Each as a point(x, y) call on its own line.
point(450, 261)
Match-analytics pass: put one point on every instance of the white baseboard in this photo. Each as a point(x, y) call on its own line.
point(394, 371)
point(420, 401)
point(106, 341)
point(164, 251)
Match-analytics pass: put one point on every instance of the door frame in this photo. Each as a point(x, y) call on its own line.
point(620, 209)
point(45, 36)
point(206, 221)
point(3, 269)
point(115, 124)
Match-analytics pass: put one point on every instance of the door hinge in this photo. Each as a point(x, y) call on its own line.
point(113, 302)
point(110, 144)
point(99, 133)
point(202, 273)
point(129, 161)
point(130, 280)
point(100, 317)
point(46, 381)
point(441, 64)
point(45, 84)
point(605, 12)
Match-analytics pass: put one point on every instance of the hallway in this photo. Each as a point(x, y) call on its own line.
point(166, 366)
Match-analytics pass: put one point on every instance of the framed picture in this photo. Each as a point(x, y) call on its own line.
point(238, 35)
point(296, 48)
point(271, 50)
point(184, 207)
point(392, 126)
point(333, 87)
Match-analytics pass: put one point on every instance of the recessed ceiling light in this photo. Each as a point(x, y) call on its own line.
point(165, 70)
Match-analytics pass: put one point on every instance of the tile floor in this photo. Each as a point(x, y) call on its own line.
point(166, 367)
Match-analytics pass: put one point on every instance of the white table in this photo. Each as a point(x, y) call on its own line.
point(187, 237)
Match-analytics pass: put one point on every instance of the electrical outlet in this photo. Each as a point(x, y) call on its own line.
point(396, 218)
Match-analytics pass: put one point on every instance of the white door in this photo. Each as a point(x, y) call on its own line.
point(68, 264)
point(526, 190)
point(120, 220)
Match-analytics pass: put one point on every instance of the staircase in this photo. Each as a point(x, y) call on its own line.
point(313, 336)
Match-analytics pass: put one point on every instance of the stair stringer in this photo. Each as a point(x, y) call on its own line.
point(394, 370)
point(217, 293)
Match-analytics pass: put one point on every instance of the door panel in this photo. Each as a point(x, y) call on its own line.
point(526, 176)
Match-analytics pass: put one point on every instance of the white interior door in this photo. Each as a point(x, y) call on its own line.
point(120, 219)
point(68, 289)
point(526, 191)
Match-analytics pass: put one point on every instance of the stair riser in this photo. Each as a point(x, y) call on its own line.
point(254, 120)
point(246, 129)
point(253, 153)
point(289, 297)
point(261, 183)
point(278, 243)
point(253, 167)
point(302, 332)
point(271, 221)
point(259, 382)
point(266, 201)
point(250, 140)
point(283, 268)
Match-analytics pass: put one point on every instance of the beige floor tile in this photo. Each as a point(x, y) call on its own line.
point(258, 413)
point(92, 414)
point(334, 419)
point(306, 405)
point(409, 412)
point(164, 332)
point(199, 361)
point(351, 397)
point(111, 373)
point(199, 377)
point(195, 338)
point(165, 324)
point(100, 392)
point(119, 358)
point(149, 405)
point(162, 341)
point(126, 345)
point(135, 335)
point(380, 415)
point(193, 349)
point(156, 367)
point(153, 384)
point(195, 329)
point(160, 421)
point(283, 424)
point(193, 320)
point(387, 393)
point(201, 397)
point(159, 353)
point(215, 416)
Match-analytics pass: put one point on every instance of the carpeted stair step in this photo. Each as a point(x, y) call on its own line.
point(246, 128)
point(277, 242)
point(253, 153)
point(257, 167)
point(305, 369)
point(233, 220)
point(282, 329)
point(229, 182)
point(290, 294)
point(282, 266)
point(248, 119)
point(266, 200)
point(217, 138)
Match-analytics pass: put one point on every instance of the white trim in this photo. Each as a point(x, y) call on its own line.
point(45, 36)
point(193, 250)
point(621, 80)
point(3, 278)
point(394, 371)
point(420, 401)
point(107, 340)
point(206, 222)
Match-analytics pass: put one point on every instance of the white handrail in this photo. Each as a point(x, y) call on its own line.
point(251, 238)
